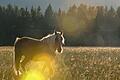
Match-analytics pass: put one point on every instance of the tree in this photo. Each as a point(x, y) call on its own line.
point(50, 18)
point(111, 12)
point(39, 13)
point(49, 11)
point(72, 10)
point(100, 16)
point(33, 12)
point(59, 12)
point(118, 11)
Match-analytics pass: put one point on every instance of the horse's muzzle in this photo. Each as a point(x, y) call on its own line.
point(59, 50)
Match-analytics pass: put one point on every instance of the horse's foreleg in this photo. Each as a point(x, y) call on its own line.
point(17, 64)
point(49, 66)
point(24, 62)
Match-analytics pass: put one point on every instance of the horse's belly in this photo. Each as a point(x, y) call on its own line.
point(35, 51)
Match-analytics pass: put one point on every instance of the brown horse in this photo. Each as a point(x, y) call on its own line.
point(30, 47)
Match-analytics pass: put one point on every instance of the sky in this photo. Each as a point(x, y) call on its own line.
point(63, 4)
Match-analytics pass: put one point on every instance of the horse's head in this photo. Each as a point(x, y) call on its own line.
point(59, 41)
point(54, 41)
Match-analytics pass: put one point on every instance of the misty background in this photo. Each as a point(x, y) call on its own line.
point(63, 4)
point(83, 22)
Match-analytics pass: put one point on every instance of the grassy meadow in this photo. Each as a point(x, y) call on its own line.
point(75, 63)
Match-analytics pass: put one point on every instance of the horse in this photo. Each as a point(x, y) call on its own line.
point(29, 47)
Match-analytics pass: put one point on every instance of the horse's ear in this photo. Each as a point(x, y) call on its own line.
point(61, 33)
point(55, 32)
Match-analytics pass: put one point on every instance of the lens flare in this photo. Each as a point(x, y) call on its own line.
point(48, 63)
point(70, 25)
point(33, 75)
point(40, 68)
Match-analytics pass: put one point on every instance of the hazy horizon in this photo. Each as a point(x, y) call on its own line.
point(63, 4)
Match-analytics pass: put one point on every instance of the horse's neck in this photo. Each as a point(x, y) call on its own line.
point(50, 41)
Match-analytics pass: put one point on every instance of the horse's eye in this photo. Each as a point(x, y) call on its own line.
point(61, 39)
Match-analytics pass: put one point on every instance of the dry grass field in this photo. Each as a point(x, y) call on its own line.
point(75, 63)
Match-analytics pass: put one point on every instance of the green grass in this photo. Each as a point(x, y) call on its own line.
point(78, 63)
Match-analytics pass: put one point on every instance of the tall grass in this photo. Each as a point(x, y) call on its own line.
point(74, 64)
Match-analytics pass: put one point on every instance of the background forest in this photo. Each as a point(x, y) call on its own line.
point(82, 25)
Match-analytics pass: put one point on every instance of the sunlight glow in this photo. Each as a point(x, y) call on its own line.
point(70, 25)
point(33, 75)
point(40, 68)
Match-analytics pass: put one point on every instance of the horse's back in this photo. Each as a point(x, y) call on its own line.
point(27, 46)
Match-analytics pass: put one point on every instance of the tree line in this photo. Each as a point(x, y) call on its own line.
point(82, 25)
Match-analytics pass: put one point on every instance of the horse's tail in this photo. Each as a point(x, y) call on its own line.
point(16, 57)
point(16, 40)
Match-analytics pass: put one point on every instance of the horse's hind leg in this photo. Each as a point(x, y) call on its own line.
point(49, 66)
point(17, 63)
point(24, 62)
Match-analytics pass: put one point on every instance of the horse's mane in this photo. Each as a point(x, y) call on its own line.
point(48, 36)
point(52, 36)
point(44, 39)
